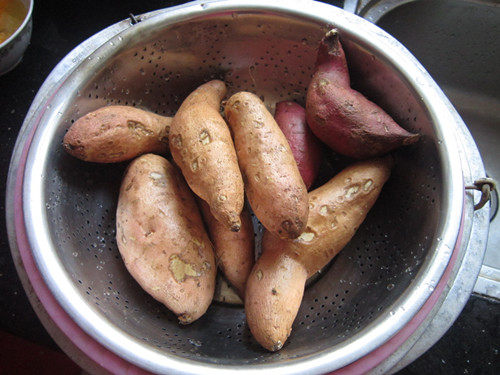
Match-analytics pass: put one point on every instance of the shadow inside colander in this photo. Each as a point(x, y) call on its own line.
point(272, 56)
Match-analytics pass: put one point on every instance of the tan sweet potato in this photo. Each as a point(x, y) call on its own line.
point(201, 145)
point(273, 183)
point(234, 251)
point(343, 118)
point(337, 209)
point(274, 292)
point(162, 240)
point(117, 133)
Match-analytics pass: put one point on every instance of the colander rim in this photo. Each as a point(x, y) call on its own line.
point(61, 286)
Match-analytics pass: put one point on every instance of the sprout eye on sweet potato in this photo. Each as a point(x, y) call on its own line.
point(117, 133)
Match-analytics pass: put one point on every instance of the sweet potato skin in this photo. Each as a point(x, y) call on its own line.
point(306, 148)
point(274, 292)
point(274, 187)
point(162, 240)
point(337, 209)
point(201, 145)
point(117, 133)
point(341, 117)
point(234, 251)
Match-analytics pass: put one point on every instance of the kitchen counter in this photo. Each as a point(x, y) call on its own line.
point(470, 347)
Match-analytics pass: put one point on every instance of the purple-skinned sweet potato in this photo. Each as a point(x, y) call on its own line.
point(306, 148)
point(343, 118)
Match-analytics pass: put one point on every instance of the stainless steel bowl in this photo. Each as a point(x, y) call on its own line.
point(12, 49)
point(395, 265)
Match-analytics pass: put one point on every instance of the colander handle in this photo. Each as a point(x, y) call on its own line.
point(485, 186)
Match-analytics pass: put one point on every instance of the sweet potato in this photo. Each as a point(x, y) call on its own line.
point(234, 251)
point(274, 292)
point(343, 118)
point(201, 145)
point(273, 184)
point(117, 133)
point(306, 149)
point(162, 240)
point(337, 209)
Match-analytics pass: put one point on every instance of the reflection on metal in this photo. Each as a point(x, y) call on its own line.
point(373, 10)
point(488, 282)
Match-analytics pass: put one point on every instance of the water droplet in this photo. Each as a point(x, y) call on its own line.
point(99, 268)
point(142, 72)
point(390, 286)
point(75, 254)
point(393, 313)
point(195, 342)
point(111, 44)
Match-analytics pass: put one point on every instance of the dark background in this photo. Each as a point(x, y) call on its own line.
point(469, 347)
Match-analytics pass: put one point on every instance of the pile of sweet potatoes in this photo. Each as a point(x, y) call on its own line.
point(177, 223)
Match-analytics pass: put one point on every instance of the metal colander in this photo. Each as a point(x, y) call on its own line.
point(370, 290)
